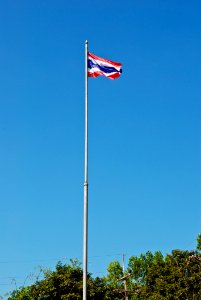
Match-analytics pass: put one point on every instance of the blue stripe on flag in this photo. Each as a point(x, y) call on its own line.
point(102, 68)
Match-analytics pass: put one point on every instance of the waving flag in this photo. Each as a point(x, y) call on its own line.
point(98, 66)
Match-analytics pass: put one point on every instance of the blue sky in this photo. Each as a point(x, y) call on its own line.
point(144, 132)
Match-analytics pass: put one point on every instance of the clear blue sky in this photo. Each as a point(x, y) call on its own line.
point(144, 132)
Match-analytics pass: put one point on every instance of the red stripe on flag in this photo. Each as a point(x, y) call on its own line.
point(94, 74)
point(99, 73)
point(116, 64)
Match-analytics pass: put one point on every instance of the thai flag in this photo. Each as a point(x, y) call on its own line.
point(99, 66)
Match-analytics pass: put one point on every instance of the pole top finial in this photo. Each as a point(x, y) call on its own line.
point(86, 42)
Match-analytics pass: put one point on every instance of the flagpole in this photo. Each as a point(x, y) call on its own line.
point(85, 231)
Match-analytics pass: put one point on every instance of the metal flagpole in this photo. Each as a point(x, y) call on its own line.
point(85, 232)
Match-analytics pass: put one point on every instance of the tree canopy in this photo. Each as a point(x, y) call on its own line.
point(152, 276)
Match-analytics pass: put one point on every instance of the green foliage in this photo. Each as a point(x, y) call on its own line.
point(173, 277)
point(115, 272)
point(112, 282)
point(199, 242)
point(150, 276)
point(22, 294)
point(64, 283)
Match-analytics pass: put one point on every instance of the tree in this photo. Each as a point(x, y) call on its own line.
point(151, 276)
point(64, 283)
point(176, 276)
point(199, 242)
point(112, 283)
